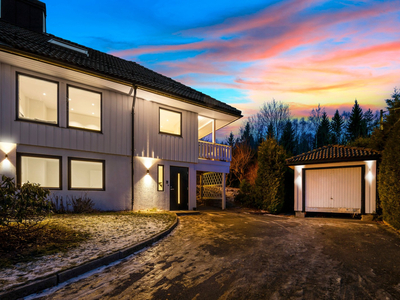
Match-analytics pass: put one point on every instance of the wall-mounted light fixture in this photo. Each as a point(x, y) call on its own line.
point(148, 172)
point(6, 156)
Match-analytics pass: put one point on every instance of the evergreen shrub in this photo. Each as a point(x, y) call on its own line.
point(270, 179)
point(389, 178)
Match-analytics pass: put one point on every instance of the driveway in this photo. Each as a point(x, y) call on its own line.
point(236, 255)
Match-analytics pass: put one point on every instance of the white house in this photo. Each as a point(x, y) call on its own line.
point(335, 179)
point(79, 121)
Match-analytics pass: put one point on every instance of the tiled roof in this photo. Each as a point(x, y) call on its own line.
point(20, 39)
point(333, 153)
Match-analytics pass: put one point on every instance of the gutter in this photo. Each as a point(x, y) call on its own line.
point(134, 88)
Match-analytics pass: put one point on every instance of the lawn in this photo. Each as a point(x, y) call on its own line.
point(72, 239)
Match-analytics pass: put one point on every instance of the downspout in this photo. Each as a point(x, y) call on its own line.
point(133, 143)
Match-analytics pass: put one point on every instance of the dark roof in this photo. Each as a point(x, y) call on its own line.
point(333, 153)
point(37, 44)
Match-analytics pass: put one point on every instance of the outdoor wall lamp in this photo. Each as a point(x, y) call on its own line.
point(6, 156)
point(148, 172)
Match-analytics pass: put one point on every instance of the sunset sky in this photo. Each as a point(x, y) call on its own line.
point(245, 53)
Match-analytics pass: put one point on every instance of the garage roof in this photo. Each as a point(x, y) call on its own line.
point(63, 52)
point(333, 153)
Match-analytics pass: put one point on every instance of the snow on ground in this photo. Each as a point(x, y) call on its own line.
point(109, 233)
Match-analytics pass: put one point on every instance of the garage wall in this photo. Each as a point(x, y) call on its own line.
point(370, 183)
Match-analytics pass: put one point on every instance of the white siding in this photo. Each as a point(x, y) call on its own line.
point(334, 190)
point(150, 143)
point(116, 120)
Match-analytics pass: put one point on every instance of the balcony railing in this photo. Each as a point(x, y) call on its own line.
point(215, 151)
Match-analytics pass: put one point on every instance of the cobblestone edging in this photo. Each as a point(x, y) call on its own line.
point(62, 276)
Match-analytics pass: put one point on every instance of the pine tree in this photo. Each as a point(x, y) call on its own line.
point(337, 128)
point(354, 127)
point(270, 131)
point(323, 132)
point(287, 140)
point(231, 140)
point(246, 136)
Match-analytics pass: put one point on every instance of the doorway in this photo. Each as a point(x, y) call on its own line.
point(179, 188)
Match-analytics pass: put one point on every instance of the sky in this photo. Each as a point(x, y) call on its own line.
point(245, 53)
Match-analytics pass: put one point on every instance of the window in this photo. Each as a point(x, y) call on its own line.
point(84, 109)
point(86, 174)
point(160, 178)
point(37, 99)
point(170, 122)
point(44, 170)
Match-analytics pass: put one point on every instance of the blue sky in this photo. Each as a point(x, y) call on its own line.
point(301, 52)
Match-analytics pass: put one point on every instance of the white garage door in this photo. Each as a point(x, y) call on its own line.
point(333, 190)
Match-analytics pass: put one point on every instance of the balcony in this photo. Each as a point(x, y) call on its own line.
point(214, 151)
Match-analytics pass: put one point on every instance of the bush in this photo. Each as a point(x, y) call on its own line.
point(270, 176)
point(73, 204)
point(389, 178)
point(246, 194)
point(22, 208)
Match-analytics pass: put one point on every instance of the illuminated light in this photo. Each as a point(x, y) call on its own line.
point(179, 188)
point(92, 104)
point(92, 113)
point(69, 99)
point(370, 177)
point(369, 163)
point(44, 94)
point(7, 147)
point(147, 172)
point(72, 109)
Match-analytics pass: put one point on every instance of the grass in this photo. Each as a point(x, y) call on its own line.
point(66, 231)
point(28, 246)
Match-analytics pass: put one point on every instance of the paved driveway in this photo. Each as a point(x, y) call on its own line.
point(234, 255)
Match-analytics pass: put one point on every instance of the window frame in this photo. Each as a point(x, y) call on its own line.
point(163, 174)
point(17, 85)
point(159, 122)
point(19, 169)
point(101, 108)
point(70, 159)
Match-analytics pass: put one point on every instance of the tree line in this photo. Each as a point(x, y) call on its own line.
point(298, 135)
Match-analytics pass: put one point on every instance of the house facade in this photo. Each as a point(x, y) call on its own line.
point(79, 121)
point(335, 179)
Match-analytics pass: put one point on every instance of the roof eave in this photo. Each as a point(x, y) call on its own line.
point(327, 161)
point(116, 79)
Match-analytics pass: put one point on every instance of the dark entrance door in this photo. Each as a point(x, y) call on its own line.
point(179, 194)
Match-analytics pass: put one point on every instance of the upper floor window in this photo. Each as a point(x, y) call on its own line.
point(84, 109)
point(37, 99)
point(170, 122)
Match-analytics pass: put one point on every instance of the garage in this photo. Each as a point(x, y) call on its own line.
point(335, 179)
point(334, 190)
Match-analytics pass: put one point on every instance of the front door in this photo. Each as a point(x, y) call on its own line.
point(179, 194)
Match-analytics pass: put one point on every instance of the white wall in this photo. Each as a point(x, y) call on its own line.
point(370, 183)
point(117, 194)
point(145, 190)
point(116, 122)
point(150, 143)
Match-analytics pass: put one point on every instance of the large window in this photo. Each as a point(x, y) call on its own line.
point(84, 109)
point(160, 178)
point(44, 170)
point(170, 122)
point(37, 99)
point(86, 174)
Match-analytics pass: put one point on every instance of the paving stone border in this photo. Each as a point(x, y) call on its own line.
point(62, 276)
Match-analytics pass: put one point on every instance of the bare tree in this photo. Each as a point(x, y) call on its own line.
point(241, 159)
point(273, 113)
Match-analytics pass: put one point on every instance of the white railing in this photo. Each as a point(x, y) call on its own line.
point(215, 151)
